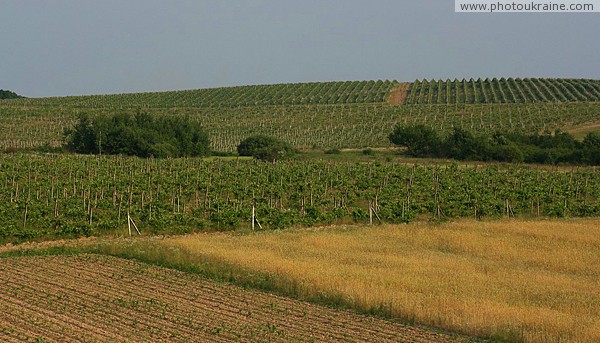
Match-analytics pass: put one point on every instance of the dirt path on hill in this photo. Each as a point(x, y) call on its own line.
point(399, 94)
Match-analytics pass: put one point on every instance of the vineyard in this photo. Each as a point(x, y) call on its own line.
point(55, 196)
point(312, 93)
point(503, 91)
point(429, 92)
point(107, 299)
point(330, 126)
point(324, 114)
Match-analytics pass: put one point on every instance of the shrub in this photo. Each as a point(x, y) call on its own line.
point(420, 140)
point(265, 148)
point(547, 148)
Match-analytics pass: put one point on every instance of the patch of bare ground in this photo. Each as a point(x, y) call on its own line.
point(581, 131)
point(98, 298)
point(399, 94)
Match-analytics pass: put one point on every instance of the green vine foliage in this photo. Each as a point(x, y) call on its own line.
point(59, 196)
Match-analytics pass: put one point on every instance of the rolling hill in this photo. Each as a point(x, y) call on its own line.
point(322, 115)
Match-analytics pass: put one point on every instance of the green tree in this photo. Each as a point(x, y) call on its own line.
point(140, 135)
point(265, 148)
point(420, 140)
point(463, 145)
point(6, 94)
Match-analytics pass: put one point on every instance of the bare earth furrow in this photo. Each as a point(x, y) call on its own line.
point(13, 333)
point(219, 312)
point(218, 307)
point(24, 318)
point(215, 319)
point(118, 318)
point(183, 314)
point(197, 293)
point(105, 299)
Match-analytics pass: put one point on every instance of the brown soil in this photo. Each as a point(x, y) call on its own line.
point(581, 131)
point(105, 299)
point(399, 94)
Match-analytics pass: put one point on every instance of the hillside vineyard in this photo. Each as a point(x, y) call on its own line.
point(355, 114)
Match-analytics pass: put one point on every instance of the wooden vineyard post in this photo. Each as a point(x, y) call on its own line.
point(131, 222)
point(25, 216)
point(128, 224)
point(254, 220)
point(373, 211)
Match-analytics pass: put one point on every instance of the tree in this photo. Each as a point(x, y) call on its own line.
point(82, 138)
point(463, 145)
point(420, 140)
point(140, 135)
point(265, 148)
point(591, 148)
point(6, 94)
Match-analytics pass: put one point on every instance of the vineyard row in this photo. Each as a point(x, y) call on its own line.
point(503, 91)
point(61, 196)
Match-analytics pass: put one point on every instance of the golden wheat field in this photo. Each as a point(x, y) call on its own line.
point(532, 281)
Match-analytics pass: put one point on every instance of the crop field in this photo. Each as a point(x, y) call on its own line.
point(56, 196)
point(520, 281)
point(311, 126)
point(96, 298)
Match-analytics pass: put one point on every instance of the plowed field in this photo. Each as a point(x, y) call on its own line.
point(104, 299)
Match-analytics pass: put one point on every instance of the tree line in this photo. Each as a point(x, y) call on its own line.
point(547, 148)
point(6, 94)
point(142, 135)
point(146, 135)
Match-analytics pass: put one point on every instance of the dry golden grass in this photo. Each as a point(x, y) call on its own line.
point(533, 281)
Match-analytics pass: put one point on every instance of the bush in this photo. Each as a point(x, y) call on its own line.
point(420, 140)
point(140, 135)
point(265, 148)
point(463, 145)
point(547, 148)
point(507, 153)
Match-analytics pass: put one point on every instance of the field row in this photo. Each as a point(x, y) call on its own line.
point(335, 126)
point(259, 95)
point(68, 196)
point(503, 91)
point(107, 299)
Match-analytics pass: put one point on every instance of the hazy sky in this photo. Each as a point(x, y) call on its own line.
point(72, 47)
